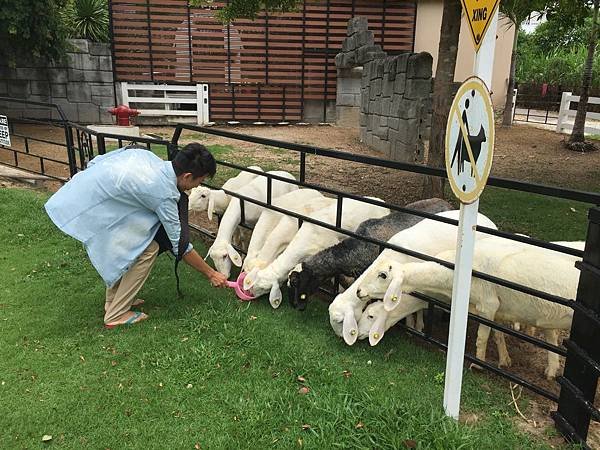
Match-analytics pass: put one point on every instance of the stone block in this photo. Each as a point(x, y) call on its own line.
point(364, 80)
point(347, 116)
point(103, 101)
point(31, 74)
point(371, 107)
point(376, 120)
point(368, 53)
point(392, 135)
point(386, 104)
point(407, 109)
point(370, 122)
point(372, 70)
point(419, 65)
point(99, 49)
point(375, 89)
point(345, 99)
point(388, 88)
point(79, 92)
point(362, 120)
point(369, 139)
point(394, 123)
point(105, 117)
point(88, 113)
point(383, 121)
point(349, 59)
point(58, 90)
point(69, 109)
point(79, 45)
point(58, 75)
point(363, 38)
point(417, 88)
point(102, 89)
point(362, 134)
point(339, 60)
point(90, 62)
point(357, 24)
point(364, 102)
point(379, 68)
point(389, 64)
point(402, 152)
point(43, 98)
point(376, 108)
point(382, 133)
point(349, 44)
point(3, 88)
point(7, 73)
point(97, 76)
point(75, 75)
point(402, 62)
point(40, 87)
point(400, 83)
point(18, 88)
point(381, 145)
point(76, 60)
point(408, 131)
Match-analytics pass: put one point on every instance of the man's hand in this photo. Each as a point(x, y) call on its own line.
point(217, 279)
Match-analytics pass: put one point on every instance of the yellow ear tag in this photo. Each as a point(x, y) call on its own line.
point(394, 298)
point(376, 335)
point(352, 332)
point(303, 297)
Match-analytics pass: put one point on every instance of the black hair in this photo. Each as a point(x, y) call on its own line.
point(195, 159)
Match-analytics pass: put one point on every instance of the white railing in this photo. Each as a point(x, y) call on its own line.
point(565, 113)
point(173, 96)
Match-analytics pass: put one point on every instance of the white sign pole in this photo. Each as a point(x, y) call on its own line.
point(484, 60)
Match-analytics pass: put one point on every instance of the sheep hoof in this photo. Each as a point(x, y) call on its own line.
point(476, 367)
point(506, 362)
point(550, 373)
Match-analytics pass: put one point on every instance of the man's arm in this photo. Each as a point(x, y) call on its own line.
point(193, 259)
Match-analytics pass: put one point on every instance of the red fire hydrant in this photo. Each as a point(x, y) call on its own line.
point(123, 113)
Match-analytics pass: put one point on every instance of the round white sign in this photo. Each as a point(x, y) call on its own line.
point(470, 140)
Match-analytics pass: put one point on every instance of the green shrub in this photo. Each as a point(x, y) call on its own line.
point(88, 19)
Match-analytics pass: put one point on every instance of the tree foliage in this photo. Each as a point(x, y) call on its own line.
point(88, 19)
point(248, 9)
point(32, 28)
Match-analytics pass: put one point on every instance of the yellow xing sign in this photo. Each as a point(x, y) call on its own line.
point(479, 15)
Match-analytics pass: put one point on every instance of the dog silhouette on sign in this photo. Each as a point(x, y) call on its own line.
point(461, 154)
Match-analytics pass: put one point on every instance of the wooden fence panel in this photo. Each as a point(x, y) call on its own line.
point(166, 41)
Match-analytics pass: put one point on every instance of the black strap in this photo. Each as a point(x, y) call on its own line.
point(164, 243)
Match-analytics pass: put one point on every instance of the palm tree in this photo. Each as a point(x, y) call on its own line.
point(577, 139)
point(443, 93)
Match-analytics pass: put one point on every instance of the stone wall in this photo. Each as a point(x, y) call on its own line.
point(392, 103)
point(82, 86)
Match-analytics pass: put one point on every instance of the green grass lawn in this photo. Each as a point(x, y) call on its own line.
point(206, 369)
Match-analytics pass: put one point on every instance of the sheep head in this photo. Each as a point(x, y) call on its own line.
point(198, 200)
point(260, 281)
point(372, 323)
point(302, 282)
point(223, 254)
point(342, 316)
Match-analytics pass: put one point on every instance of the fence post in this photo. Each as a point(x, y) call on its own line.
point(124, 93)
point(565, 104)
point(199, 106)
point(514, 106)
point(582, 365)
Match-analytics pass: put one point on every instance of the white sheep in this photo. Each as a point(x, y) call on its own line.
point(537, 268)
point(428, 236)
point(222, 252)
point(274, 230)
point(309, 240)
point(215, 201)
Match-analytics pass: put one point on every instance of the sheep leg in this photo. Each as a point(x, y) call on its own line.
point(553, 360)
point(419, 325)
point(503, 356)
point(486, 310)
point(410, 321)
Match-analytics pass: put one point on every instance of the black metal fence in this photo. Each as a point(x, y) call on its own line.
point(44, 142)
point(577, 391)
point(78, 145)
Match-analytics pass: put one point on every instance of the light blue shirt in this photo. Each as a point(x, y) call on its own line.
point(115, 207)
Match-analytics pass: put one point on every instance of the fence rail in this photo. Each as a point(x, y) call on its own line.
point(566, 113)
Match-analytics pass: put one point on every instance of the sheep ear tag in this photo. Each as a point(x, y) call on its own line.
point(211, 206)
point(275, 296)
point(250, 279)
point(350, 328)
point(392, 296)
point(234, 255)
point(377, 330)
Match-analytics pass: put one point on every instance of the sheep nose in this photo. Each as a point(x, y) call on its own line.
point(358, 292)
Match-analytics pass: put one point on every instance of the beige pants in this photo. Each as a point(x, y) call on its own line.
point(120, 297)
